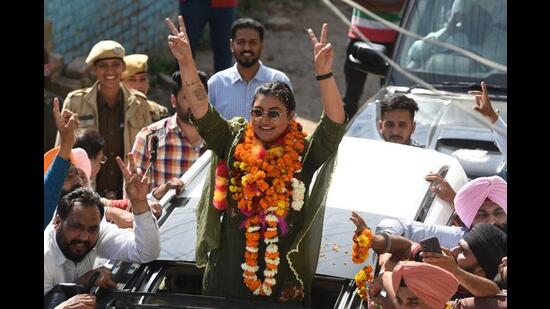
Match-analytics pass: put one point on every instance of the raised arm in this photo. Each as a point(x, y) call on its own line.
point(484, 107)
point(330, 95)
point(191, 84)
point(66, 123)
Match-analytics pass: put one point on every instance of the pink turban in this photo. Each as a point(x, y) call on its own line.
point(78, 157)
point(471, 196)
point(431, 284)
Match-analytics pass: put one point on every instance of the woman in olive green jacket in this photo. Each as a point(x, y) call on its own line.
point(259, 232)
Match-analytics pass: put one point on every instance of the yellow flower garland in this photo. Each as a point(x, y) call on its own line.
point(360, 252)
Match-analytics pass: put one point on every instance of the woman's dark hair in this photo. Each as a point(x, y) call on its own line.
point(279, 90)
point(91, 141)
point(85, 196)
point(176, 78)
point(242, 23)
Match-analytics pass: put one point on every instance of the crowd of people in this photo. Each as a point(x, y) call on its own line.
point(118, 153)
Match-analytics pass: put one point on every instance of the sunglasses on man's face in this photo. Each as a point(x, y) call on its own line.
point(272, 114)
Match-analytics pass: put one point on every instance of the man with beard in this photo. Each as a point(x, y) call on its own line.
point(478, 254)
point(231, 91)
point(177, 143)
point(79, 234)
point(397, 123)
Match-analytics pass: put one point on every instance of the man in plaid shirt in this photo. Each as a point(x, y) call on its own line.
point(177, 142)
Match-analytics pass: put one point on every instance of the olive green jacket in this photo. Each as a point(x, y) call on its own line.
point(220, 239)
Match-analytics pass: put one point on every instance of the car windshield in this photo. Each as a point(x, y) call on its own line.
point(479, 26)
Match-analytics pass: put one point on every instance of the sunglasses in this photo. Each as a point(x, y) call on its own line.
point(272, 114)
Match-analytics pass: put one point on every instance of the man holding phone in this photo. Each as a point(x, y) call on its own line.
point(477, 257)
point(474, 261)
point(430, 244)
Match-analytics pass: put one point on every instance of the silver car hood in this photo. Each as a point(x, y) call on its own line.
point(446, 123)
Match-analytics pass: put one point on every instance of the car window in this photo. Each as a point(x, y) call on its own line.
point(479, 26)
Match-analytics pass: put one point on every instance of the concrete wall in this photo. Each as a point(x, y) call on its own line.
point(137, 24)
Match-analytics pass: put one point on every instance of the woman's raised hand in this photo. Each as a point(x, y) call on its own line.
point(178, 41)
point(322, 51)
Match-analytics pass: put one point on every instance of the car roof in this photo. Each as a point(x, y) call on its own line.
point(376, 179)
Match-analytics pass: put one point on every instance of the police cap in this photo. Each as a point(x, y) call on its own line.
point(105, 50)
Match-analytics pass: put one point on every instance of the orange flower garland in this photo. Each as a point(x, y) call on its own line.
point(360, 252)
point(361, 246)
point(221, 181)
point(363, 277)
point(263, 184)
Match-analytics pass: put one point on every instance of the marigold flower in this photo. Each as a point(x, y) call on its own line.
point(261, 180)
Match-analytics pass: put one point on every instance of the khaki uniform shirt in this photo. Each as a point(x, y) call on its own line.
point(135, 109)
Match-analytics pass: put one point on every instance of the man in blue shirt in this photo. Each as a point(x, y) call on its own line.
point(231, 91)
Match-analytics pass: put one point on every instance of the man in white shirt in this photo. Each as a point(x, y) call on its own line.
point(231, 91)
point(79, 233)
point(484, 107)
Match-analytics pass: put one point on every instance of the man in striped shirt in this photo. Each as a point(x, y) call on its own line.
point(231, 91)
point(376, 32)
point(175, 142)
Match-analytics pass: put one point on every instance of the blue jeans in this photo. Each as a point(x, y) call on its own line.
point(196, 14)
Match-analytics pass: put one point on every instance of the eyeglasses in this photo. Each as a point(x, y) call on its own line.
point(272, 114)
point(103, 160)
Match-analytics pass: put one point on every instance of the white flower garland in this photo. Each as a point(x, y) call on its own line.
point(298, 193)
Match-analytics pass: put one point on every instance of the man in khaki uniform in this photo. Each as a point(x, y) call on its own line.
point(118, 113)
point(135, 77)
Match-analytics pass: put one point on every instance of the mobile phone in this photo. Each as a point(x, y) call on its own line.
point(431, 244)
point(88, 287)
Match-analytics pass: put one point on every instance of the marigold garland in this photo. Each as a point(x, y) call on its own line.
point(363, 277)
point(263, 183)
point(220, 193)
point(360, 252)
point(361, 246)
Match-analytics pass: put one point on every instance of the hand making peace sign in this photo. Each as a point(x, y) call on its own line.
point(137, 184)
point(178, 41)
point(322, 51)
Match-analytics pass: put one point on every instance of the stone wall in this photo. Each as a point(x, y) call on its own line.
point(76, 25)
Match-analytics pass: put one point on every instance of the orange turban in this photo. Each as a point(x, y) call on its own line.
point(78, 158)
point(431, 284)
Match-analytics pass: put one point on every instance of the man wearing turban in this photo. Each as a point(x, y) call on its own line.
point(422, 286)
point(477, 256)
point(482, 200)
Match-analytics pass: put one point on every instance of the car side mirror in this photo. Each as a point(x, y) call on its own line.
point(364, 58)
